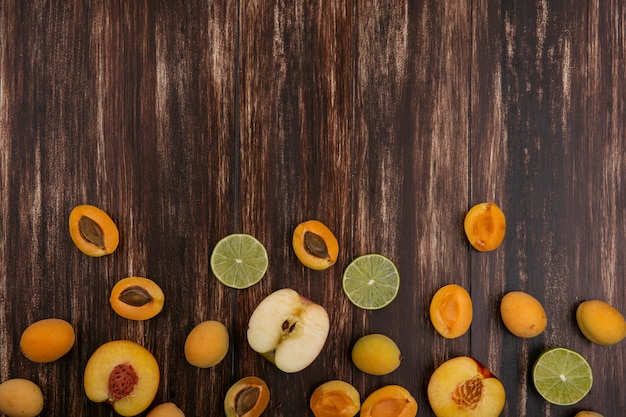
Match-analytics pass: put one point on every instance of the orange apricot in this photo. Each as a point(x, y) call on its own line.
point(335, 399)
point(137, 298)
point(389, 401)
point(247, 397)
point(485, 226)
point(315, 245)
point(451, 311)
point(20, 397)
point(93, 231)
point(166, 410)
point(600, 322)
point(522, 314)
point(207, 344)
point(47, 340)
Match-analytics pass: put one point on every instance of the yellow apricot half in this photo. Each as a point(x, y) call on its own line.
point(522, 314)
point(389, 401)
point(93, 231)
point(47, 340)
point(451, 311)
point(335, 399)
point(247, 397)
point(485, 226)
point(315, 245)
point(137, 298)
point(600, 322)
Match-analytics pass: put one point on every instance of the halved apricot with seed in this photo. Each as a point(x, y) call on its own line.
point(389, 401)
point(247, 397)
point(47, 340)
point(315, 245)
point(137, 298)
point(335, 399)
point(451, 311)
point(485, 226)
point(93, 231)
point(124, 375)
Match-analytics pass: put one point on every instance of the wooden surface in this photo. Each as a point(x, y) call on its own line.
point(190, 120)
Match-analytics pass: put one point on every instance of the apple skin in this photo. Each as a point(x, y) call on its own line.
point(288, 329)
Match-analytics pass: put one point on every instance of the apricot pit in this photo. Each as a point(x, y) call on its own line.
point(92, 230)
point(389, 401)
point(137, 298)
point(247, 397)
point(315, 245)
point(485, 226)
point(451, 311)
point(335, 399)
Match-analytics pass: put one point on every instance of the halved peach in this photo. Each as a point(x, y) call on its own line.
point(315, 245)
point(123, 374)
point(485, 226)
point(461, 386)
point(389, 401)
point(137, 298)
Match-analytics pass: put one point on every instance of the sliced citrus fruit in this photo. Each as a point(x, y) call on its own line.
point(562, 376)
point(371, 281)
point(239, 261)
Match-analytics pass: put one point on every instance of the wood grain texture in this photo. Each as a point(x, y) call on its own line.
point(190, 120)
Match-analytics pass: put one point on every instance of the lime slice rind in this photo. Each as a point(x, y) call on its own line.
point(239, 261)
point(562, 376)
point(371, 281)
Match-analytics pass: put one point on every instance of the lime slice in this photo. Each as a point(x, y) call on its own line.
point(562, 376)
point(371, 281)
point(239, 261)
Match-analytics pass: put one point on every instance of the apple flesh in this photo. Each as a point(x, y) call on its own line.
point(288, 329)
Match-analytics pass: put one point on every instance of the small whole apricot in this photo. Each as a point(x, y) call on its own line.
point(335, 399)
point(20, 397)
point(485, 226)
point(451, 311)
point(47, 340)
point(522, 314)
point(600, 322)
point(389, 401)
point(166, 410)
point(137, 298)
point(247, 397)
point(315, 245)
point(587, 414)
point(93, 231)
point(207, 344)
point(376, 354)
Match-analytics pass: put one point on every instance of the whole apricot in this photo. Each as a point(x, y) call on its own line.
point(315, 245)
point(485, 226)
point(389, 401)
point(587, 414)
point(451, 311)
point(376, 354)
point(247, 397)
point(137, 298)
point(166, 410)
point(47, 340)
point(93, 231)
point(522, 314)
point(207, 344)
point(600, 322)
point(20, 398)
point(335, 399)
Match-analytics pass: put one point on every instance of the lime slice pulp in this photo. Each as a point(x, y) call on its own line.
point(371, 281)
point(562, 376)
point(239, 261)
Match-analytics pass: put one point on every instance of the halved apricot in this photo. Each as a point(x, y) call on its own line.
point(137, 298)
point(315, 245)
point(389, 401)
point(451, 311)
point(335, 399)
point(93, 231)
point(247, 397)
point(485, 226)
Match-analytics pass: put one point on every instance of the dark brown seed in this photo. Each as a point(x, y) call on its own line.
point(91, 231)
point(315, 245)
point(246, 400)
point(135, 296)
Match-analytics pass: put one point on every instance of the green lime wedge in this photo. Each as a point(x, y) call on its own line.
point(371, 281)
point(239, 261)
point(562, 376)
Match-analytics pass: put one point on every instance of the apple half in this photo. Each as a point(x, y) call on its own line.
point(288, 329)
